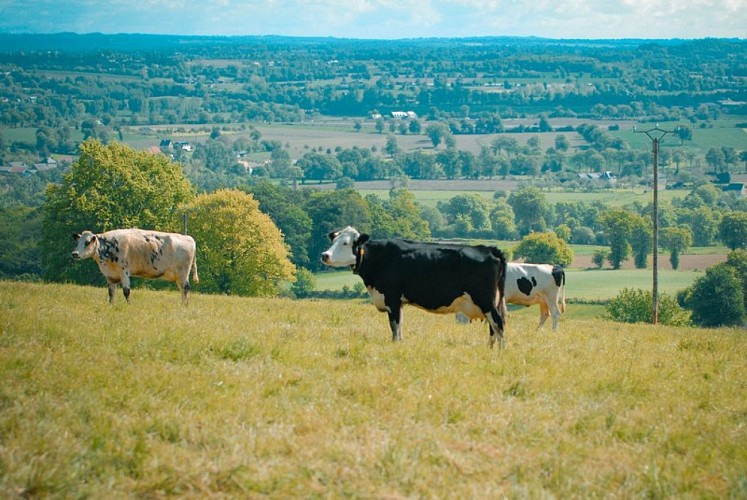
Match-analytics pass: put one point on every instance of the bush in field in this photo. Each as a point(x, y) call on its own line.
point(717, 299)
point(599, 257)
point(544, 248)
point(633, 305)
point(305, 283)
point(240, 250)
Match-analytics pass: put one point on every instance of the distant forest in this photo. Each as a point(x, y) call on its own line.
point(63, 79)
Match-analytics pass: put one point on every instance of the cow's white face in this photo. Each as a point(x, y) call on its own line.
point(340, 254)
point(87, 244)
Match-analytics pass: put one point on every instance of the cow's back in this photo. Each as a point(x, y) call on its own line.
point(154, 254)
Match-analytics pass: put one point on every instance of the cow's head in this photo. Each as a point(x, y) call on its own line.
point(87, 243)
point(345, 248)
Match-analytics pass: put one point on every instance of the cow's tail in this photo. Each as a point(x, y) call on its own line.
point(559, 274)
point(195, 278)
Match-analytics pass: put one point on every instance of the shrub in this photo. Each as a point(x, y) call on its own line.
point(633, 305)
point(599, 257)
point(717, 299)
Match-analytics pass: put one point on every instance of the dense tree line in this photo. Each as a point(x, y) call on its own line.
point(59, 80)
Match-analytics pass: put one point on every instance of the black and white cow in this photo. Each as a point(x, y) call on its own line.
point(440, 278)
point(542, 284)
point(123, 253)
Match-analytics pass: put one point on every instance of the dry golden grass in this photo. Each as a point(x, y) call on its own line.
point(237, 397)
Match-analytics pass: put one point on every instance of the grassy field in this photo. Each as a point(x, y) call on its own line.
point(238, 397)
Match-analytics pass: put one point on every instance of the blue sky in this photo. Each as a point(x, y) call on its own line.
point(384, 19)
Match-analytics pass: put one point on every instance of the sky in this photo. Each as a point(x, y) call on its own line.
point(384, 19)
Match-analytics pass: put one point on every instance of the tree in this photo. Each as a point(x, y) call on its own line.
point(530, 208)
point(109, 187)
point(472, 209)
point(641, 238)
point(733, 230)
point(20, 230)
point(617, 224)
point(240, 250)
point(285, 206)
point(677, 240)
point(320, 167)
point(737, 260)
point(502, 220)
point(391, 148)
point(436, 132)
point(544, 248)
point(716, 299)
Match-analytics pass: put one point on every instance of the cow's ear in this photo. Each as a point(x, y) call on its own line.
point(76, 237)
point(333, 235)
point(362, 239)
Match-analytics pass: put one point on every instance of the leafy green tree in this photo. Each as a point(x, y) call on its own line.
point(320, 167)
point(733, 230)
point(406, 211)
point(703, 226)
point(599, 257)
point(676, 240)
point(641, 238)
point(472, 209)
point(544, 248)
point(109, 187)
point(391, 148)
point(633, 305)
point(563, 232)
point(286, 208)
point(20, 231)
point(240, 250)
point(717, 299)
point(502, 220)
point(436, 132)
point(618, 224)
point(737, 260)
point(531, 209)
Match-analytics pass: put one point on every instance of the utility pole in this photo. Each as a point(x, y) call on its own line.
point(656, 134)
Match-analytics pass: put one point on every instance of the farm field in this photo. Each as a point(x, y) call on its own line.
point(239, 397)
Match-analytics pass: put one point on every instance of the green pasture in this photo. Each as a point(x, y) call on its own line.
point(235, 397)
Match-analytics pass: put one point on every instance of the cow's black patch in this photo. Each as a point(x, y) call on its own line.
point(525, 286)
point(108, 250)
point(558, 274)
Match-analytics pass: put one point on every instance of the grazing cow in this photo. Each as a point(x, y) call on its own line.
point(543, 284)
point(123, 253)
point(440, 278)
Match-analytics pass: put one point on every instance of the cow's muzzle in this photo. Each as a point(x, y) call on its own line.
point(325, 258)
point(76, 256)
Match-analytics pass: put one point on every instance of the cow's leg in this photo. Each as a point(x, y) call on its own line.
point(544, 314)
point(185, 292)
point(555, 315)
point(126, 286)
point(395, 320)
point(495, 322)
point(112, 290)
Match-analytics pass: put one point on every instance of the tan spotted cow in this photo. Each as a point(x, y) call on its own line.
point(123, 253)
